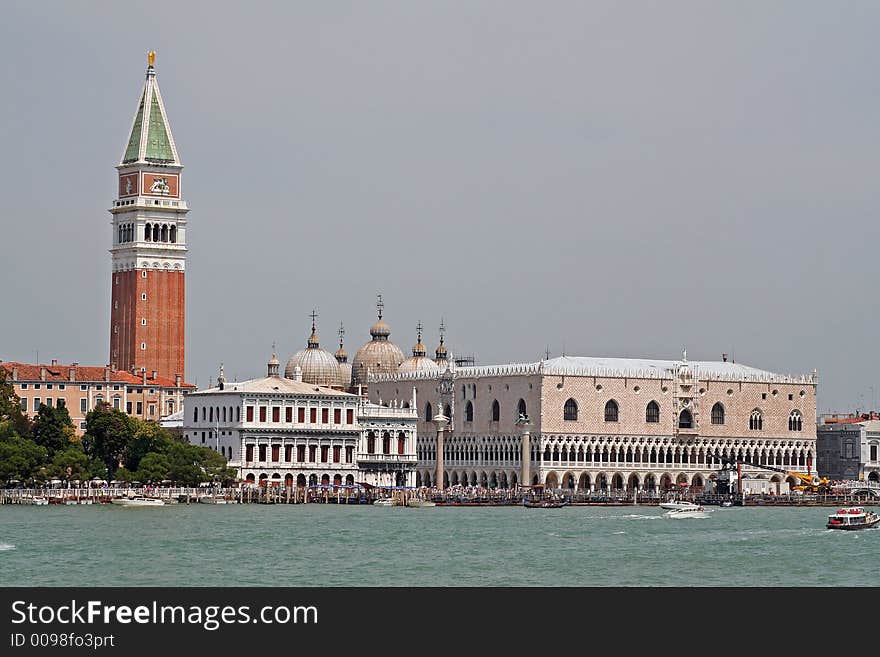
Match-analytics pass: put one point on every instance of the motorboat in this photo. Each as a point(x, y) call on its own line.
point(696, 512)
point(137, 501)
point(854, 517)
point(678, 504)
point(544, 504)
point(212, 499)
point(36, 501)
point(417, 503)
point(384, 501)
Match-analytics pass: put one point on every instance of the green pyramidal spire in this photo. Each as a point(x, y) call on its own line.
point(150, 140)
point(134, 142)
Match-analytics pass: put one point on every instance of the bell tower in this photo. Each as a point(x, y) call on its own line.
point(149, 245)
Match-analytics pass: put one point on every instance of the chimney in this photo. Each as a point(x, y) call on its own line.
point(71, 374)
point(54, 361)
point(107, 374)
point(297, 374)
point(724, 357)
point(177, 380)
point(15, 374)
point(42, 374)
point(75, 364)
point(154, 375)
point(144, 375)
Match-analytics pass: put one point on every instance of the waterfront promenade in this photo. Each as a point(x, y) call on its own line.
point(454, 496)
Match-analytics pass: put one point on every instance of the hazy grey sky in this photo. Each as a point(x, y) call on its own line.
point(611, 178)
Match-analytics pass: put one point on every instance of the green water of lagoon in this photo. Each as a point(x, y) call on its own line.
point(330, 545)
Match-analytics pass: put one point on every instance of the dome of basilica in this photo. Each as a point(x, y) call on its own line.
point(441, 355)
point(419, 362)
point(319, 366)
point(378, 356)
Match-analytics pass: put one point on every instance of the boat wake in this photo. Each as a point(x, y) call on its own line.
point(6, 546)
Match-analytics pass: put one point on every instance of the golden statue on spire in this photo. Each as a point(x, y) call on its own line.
point(151, 58)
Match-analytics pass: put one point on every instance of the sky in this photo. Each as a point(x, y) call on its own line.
point(591, 178)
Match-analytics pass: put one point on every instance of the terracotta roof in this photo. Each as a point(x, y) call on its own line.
point(83, 374)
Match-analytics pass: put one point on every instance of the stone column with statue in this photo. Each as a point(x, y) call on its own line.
point(441, 421)
point(524, 427)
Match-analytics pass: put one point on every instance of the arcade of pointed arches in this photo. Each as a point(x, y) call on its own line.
point(581, 462)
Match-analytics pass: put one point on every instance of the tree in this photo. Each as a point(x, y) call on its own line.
point(20, 458)
point(71, 463)
point(53, 429)
point(148, 437)
point(97, 469)
point(124, 474)
point(214, 465)
point(10, 407)
point(108, 434)
point(154, 468)
point(184, 461)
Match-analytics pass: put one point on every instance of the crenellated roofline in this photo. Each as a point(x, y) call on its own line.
point(585, 367)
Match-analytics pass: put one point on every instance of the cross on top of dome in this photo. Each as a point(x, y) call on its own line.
point(419, 348)
point(313, 338)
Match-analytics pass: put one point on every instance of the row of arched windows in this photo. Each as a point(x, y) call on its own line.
point(126, 233)
point(301, 479)
point(208, 414)
point(469, 411)
point(386, 443)
point(521, 410)
point(612, 414)
point(685, 419)
point(160, 233)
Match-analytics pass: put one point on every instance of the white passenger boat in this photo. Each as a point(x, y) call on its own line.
point(137, 501)
point(36, 501)
point(696, 512)
point(854, 517)
point(678, 504)
point(212, 499)
point(385, 501)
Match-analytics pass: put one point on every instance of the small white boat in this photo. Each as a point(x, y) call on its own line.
point(137, 501)
point(212, 499)
point(36, 501)
point(385, 501)
point(417, 503)
point(678, 504)
point(696, 512)
point(727, 503)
